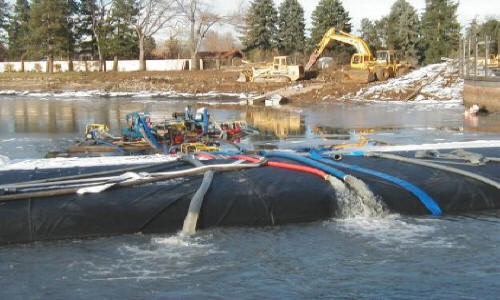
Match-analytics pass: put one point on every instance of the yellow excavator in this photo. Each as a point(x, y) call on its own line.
point(364, 66)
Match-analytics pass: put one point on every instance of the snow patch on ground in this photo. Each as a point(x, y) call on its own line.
point(52, 163)
point(140, 95)
point(433, 84)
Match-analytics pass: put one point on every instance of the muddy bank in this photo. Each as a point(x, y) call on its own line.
point(192, 82)
point(435, 82)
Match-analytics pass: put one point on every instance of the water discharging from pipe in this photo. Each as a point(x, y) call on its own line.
point(358, 201)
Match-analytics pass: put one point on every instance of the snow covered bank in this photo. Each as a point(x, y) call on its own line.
point(438, 82)
point(142, 94)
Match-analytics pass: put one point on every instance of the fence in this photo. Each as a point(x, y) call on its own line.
point(93, 66)
point(123, 65)
point(477, 62)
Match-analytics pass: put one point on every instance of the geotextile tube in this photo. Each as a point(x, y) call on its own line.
point(257, 196)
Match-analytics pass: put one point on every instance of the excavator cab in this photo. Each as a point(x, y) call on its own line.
point(386, 57)
point(359, 61)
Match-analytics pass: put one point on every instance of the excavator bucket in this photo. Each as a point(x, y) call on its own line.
point(360, 76)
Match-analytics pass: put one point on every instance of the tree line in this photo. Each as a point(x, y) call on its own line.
point(418, 38)
point(102, 29)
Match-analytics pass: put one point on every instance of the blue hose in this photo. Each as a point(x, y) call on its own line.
point(102, 142)
point(426, 200)
point(149, 134)
point(307, 161)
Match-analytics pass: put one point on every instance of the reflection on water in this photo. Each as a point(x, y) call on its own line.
point(44, 116)
point(35, 125)
point(280, 123)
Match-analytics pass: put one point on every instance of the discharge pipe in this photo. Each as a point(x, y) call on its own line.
point(424, 198)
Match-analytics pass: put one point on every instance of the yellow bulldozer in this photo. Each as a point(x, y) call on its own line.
point(281, 70)
point(364, 66)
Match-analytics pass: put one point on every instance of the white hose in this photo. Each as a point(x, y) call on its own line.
point(437, 166)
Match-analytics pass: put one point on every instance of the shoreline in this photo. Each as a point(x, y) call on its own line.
point(438, 83)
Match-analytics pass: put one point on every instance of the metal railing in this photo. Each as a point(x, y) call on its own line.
point(477, 62)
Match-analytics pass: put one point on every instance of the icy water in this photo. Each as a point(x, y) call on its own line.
point(454, 257)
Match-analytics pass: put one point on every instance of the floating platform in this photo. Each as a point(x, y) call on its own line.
point(93, 201)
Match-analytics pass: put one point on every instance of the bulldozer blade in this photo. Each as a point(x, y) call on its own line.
point(360, 76)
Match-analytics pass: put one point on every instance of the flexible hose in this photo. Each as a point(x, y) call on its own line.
point(437, 166)
point(155, 177)
point(102, 142)
point(280, 165)
point(494, 159)
point(424, 198)
point(307, 161)
point(193, 214)
point(80, 178)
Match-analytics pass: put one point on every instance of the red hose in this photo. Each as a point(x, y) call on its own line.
point(285, 166)
point(205, 156)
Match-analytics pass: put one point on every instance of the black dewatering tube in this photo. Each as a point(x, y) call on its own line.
point(155, 177)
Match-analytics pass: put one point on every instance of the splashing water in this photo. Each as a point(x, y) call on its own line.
point(171, 257)
point(356, 200)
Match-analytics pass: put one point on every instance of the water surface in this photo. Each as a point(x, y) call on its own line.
point(454, 257)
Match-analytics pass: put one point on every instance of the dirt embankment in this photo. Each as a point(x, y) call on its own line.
point(193, 82)
point(179, 81)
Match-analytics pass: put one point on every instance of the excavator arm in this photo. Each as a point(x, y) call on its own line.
point(337, 35)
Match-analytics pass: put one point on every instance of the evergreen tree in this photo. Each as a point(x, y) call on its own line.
point(382, 28)
point(18, 30)
point(4, 14)
point(291, 27)
point(86, 41)
point(73, 26)
point(260, 30)
point(474, 29)
point(49, 30)
point(491, 28)
point(403, 30)
point(370, 34)
point(330, 13)
point(121, 39)
point(441, 30)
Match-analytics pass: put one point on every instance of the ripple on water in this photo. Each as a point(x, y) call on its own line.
point(171, 257)
point(395, 230)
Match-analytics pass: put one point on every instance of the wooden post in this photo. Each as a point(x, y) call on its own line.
point(468, 56)
point(86, 66)
point(22, 66)
point(102, 65)
point(217, 63)
point(460, 59)
point(70, 65)
point(50, 64)
point(465, 59)
point(486, 54)
point(476, 56)
point(115, 64)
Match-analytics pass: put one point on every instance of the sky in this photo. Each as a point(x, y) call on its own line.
point(375, 9)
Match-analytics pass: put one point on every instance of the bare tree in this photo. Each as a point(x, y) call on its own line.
point(153, 16)
point(200, 19)
point(99, 10)
point(216, 42)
